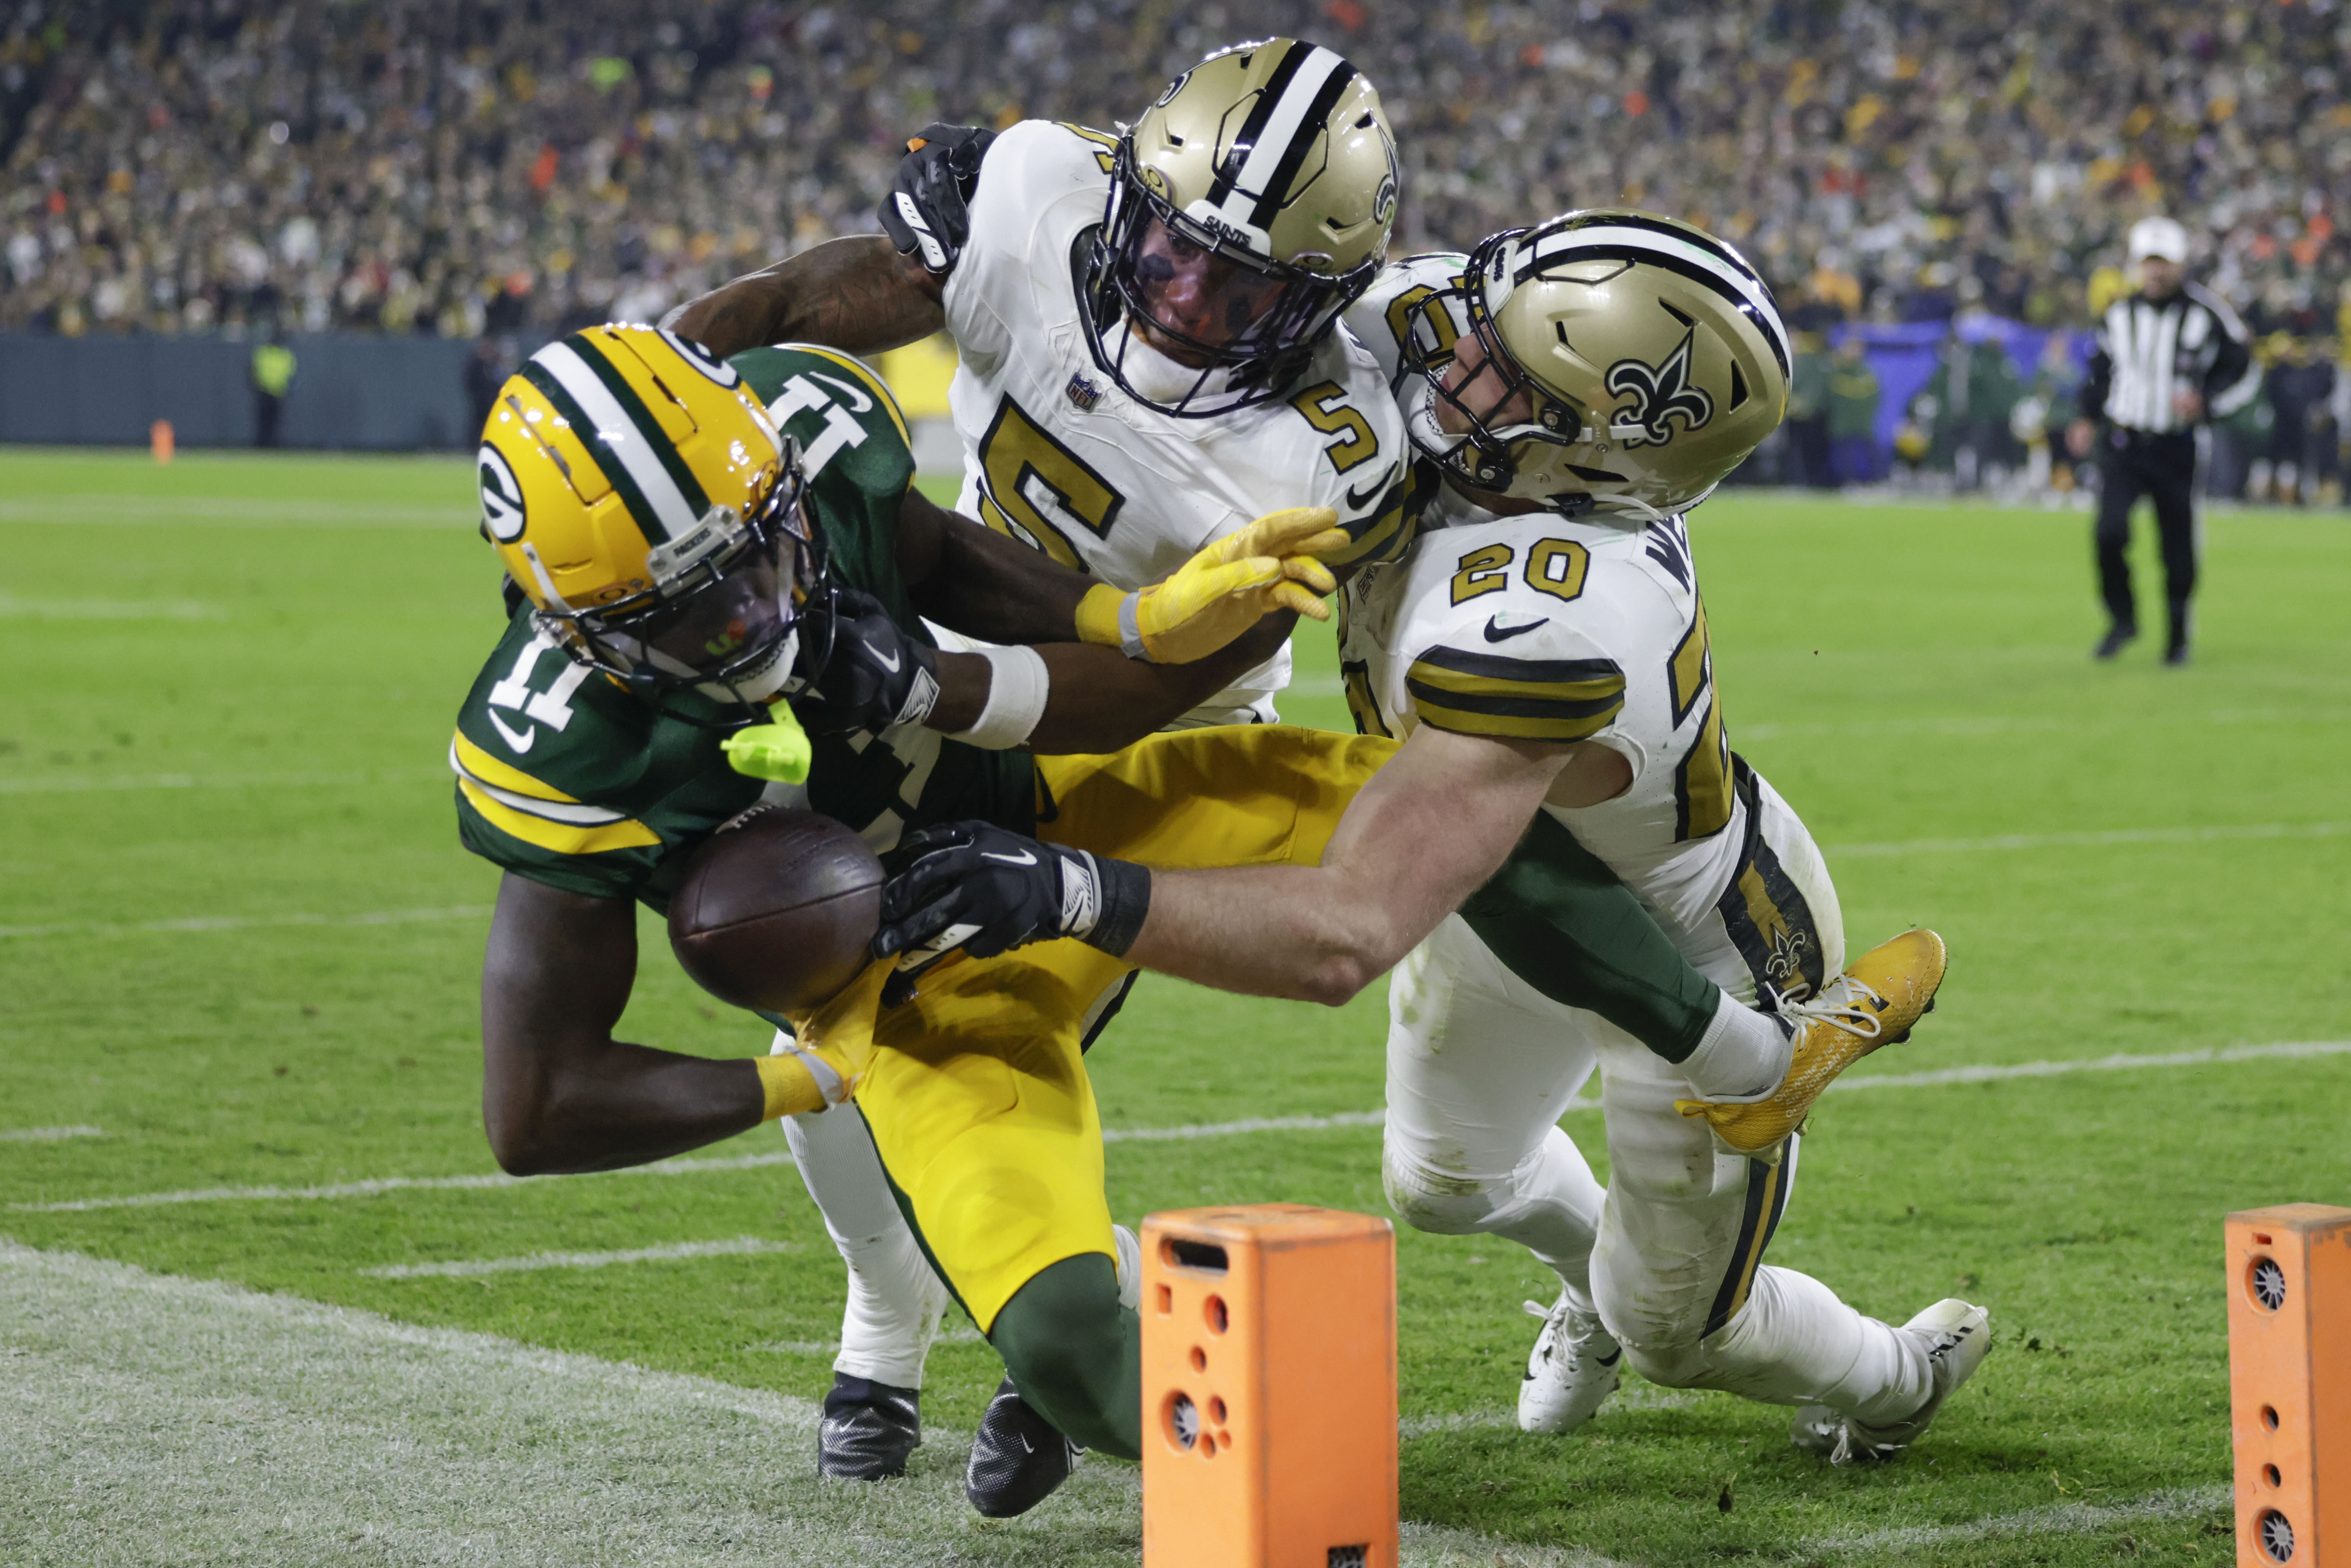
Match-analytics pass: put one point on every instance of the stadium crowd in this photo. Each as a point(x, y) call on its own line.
point(458, 168)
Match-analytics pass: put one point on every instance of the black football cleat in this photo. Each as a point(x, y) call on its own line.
point(869, 1430)
point(1017, 1457)
point(2112, 642)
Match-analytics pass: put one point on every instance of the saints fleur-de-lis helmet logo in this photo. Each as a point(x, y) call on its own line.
point(1660, 394)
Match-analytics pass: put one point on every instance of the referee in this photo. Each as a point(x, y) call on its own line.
point(2168, 357)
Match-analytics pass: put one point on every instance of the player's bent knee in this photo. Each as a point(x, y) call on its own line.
point(1076, 1354)
point(1432, 1201)
point(1669, 1365)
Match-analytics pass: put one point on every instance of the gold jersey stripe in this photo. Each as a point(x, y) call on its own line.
point(865, 373)
point(479, 764)
point(1555, 726)
point(1460, 683)
point(560, 838)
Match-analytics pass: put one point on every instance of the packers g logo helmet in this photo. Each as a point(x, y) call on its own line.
point(1605, 357)
point(640, 498)
point(1247, 208)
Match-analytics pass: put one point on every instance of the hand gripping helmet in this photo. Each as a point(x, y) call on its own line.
point(642, 500)
point(1248, 208)
point(1623, 361)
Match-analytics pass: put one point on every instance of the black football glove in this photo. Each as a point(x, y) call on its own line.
point(928, 207)
point(986, 889)
point(875, 674)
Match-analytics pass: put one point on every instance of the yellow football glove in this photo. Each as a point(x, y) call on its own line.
point(1222, 591)
point(833, 1047)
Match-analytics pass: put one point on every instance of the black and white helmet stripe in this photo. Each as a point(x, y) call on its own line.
point(1618, 237)
point(1281, 131)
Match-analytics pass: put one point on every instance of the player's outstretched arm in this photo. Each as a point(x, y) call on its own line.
point(855, 293)
point(558, 1092)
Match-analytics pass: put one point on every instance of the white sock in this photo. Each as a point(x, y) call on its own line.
point(1794, 1343)
point(1743, 1056)
point(894, 1301)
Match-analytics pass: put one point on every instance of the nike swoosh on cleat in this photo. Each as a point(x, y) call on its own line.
point(1496, 632)
point(1023, 857)
point(517, 741)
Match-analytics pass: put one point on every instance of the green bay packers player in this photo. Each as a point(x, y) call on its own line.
point(688, 533)
point(1543, 648)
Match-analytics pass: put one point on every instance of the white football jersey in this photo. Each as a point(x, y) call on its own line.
point(1058, 456)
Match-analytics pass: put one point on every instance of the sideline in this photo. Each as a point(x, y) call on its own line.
point(378, 1185)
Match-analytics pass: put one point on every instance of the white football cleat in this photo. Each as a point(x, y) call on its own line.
point(1957, 1337)
point(1571, 1371)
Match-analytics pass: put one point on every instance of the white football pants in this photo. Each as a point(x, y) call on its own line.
point(1481, 1067)
point(895, 1302)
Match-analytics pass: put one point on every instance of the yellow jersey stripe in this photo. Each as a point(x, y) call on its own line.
point(471, 760)
point(1458, 683)
point(865, 373)
point(1554, 726)
point(560, 838)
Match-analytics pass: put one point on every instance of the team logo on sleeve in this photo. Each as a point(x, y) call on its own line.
point(502, 507)
point(1660, 393)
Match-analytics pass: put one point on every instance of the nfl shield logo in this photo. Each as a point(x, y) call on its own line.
point(1083, 393)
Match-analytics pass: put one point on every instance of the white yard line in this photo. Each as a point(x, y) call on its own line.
point(377, 1185)
point(2106, 839)
point(247, 923)
point(78, 784)
point(47, 1134)
point(466, 1269)
point(833, 1347)
point(226, 511)
point(2066, 1518)
point(151, 1419)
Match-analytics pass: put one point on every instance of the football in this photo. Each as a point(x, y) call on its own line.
point(776, 910)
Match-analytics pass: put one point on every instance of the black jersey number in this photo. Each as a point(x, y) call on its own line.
point(1702, 780)
point(1025, 473)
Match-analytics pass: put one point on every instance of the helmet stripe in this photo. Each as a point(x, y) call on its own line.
point(1675, 252)
point(598, 358)
point(1295, 99)
point(597, 416)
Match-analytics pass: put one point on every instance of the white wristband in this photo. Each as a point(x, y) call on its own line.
point(1017, 683)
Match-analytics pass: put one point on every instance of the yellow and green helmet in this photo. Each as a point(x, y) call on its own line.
point(1247, 208)
point(1652, 357)
point(642, 500)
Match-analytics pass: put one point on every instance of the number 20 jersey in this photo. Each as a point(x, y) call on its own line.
point(1057, 456)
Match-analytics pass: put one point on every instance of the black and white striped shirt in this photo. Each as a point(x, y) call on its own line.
point(2151, 350)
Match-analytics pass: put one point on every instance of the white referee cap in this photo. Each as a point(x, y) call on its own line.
point(2162, 237)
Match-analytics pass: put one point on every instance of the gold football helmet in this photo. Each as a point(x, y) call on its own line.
point(1605, 357)
point(642, 500)
point(1247, 208)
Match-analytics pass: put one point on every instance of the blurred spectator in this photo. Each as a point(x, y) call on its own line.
point(485, 373)
point(1966, 408)
point(272, 374)
point(1852, 415)
point(443, 167)
point(2300, 386)
point(1807, 423)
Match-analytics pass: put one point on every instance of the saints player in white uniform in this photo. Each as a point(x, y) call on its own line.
point(1544, 648)
point(1150, 358)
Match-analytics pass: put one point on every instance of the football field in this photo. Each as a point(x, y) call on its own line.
point(265, 1299)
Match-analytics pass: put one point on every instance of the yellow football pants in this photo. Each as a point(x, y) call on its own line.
point(977, 1093)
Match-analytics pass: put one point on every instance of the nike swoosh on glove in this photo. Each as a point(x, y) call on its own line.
point(983, 890)
point(929, 209)
point(876, 674)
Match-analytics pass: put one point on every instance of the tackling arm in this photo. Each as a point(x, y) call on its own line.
point(856, 293)
point(558, 1092)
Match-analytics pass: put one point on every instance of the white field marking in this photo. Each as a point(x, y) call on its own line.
point(2071, 1518)
point(1634, 1394)
point(466, 1269)
point(833, 1347)
point(107, 610)
point(377, 1186)
point(2118, 836)
point(246, 922)
point(229, 511)
point(1251, 1124)
point(150, 1419)
point(77, 784)
point(47, 1134)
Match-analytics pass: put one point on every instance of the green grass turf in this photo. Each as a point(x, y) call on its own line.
point(229, 692)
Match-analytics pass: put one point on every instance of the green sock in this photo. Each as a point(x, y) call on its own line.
point(1563, 923)
point(1076, 1354)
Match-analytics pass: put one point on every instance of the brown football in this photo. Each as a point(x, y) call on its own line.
point(776, 910)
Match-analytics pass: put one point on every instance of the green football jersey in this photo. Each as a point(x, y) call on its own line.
point(566, 777)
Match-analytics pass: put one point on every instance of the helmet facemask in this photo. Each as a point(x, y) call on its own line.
point(1475, 426)
point(1189, 314)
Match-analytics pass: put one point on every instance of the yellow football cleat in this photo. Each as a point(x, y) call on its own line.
point(1873, 1003)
